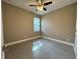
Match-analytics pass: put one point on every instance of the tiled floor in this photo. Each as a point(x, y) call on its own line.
point(40, 49)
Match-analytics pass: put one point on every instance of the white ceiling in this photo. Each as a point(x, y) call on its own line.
point(25, 5)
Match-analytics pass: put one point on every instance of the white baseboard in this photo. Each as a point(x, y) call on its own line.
point(67, 43)
point(20, 41)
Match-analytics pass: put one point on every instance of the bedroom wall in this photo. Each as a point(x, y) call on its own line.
point(60, 24)
point(17, 23)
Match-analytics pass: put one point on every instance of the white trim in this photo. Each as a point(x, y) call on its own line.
point(71, 44)
point(16, 42)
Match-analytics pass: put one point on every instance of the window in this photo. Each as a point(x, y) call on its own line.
point(36, 24)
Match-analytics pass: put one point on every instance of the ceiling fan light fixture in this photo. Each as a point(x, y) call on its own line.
point(40, 7)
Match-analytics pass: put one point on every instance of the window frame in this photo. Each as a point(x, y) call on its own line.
point(38, 25)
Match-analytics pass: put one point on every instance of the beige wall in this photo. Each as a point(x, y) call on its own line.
point(18, 23)
point(60, 24)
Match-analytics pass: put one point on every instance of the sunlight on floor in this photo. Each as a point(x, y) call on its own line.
point(36, 46)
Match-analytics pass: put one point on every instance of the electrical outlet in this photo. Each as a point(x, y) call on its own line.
point(68, 39)
point(24, 36)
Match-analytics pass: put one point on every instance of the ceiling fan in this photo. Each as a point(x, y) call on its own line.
point(40, 5)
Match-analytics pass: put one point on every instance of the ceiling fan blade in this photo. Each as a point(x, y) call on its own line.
point(32, 5)
point(44, 9)
point(47, 3)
